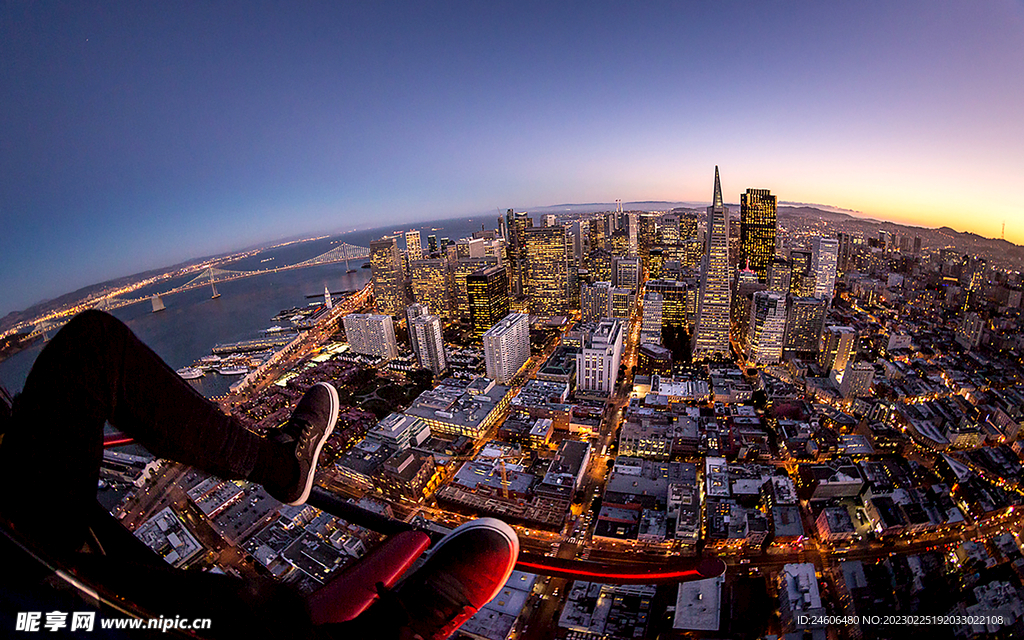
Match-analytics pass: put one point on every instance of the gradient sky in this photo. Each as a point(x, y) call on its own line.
point(134, 135)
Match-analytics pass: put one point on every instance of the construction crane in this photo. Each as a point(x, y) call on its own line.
point(501, 463)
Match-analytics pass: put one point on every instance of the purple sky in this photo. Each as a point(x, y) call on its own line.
point(138, 134)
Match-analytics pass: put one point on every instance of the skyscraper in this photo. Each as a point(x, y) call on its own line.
point(487, 297)
point(429, 346)
point(507, 347)
point(432, 243)
point(388, 276)
point(712, 333)
point(413, 245)
point(839, 345)
point(430, 286)
point(517, 224)
point(650, 332)
point(371, 334)
point(626, 273)
point(824, 257)
point(757, 231)
point(804, 323)
point(801, 276)
point(767, 327)
point(547, 265)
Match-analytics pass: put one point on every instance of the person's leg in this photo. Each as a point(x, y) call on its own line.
point(96, 370)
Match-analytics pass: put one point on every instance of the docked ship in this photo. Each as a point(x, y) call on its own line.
point(190, 373)
point(232, 371)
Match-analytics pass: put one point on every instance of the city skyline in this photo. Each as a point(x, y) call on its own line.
point(149, 135)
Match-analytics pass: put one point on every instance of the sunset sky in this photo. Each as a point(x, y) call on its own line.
point(138, 134)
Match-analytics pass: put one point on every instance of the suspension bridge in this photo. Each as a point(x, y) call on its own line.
point(210, 276)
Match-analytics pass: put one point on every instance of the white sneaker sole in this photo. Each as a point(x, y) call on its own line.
point(496, 525)
point(335, 407)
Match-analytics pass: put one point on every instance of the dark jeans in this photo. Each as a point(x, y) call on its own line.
point(93, 371)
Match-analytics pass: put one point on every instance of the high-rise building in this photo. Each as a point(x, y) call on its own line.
point(487, 297)
point(429, 346)
point(517, 223)
point(595, 301)
point(757, 231)
point(824, 258)
point(631, 229)
point(839, 345)
point(459, 292)
point(767, 327)
point(712, 333)
point(647, 227)
point(626, 273)
point(668, 229)
point(676, 298)
point(857, 379)
point(412, 312)
point(597, 363)
point(507, 347)
point(805, 321)
point(432, 243)
point(430, 286)
point(650, 331)
point(371, 334)
point(969, 330)
point(778, 275)
point(801, 275)
point(413, 246)
point(388, 276)
point(547, 220)
point(547, 264)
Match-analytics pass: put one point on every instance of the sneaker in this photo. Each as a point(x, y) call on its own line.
point(465, 571)
point(308, 429)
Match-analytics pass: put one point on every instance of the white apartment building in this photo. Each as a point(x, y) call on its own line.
point(507, 347)
point(597, 363)
point(371, 334)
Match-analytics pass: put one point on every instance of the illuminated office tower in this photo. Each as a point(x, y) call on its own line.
point(767, 328)
point(687, 227)
point(712, 333)
point(647, 226)
point(626, 273)
point(631, 229)
point(507, 347)
point(460, 294)
point(470, 248)
point(547, 220)
point(824, 256)
point(668, 229)
point(371, 334)
point(517, 223)
point(388, 276)
point(805, 321)
point(432, 243)
point(618, 243)
point(656, 263)
point(596, 234)
point(430, 286)
point(428, 344)
point(413, 246)
point(487, 296)
point(599, 266)
point(650, 331)
point(675, 298)
point(838, 345)
point(579, 240)
point(597, 363)
point(742, 305)
point(779, 275)
point(547, 265)
point(595, 301)
point(757, 231)
point(801, 277)
point(844, 258)
point(612, 222)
